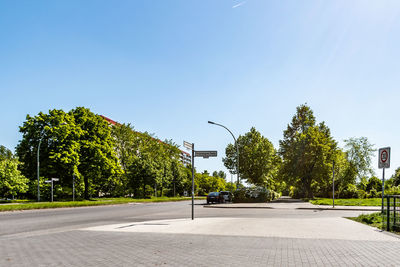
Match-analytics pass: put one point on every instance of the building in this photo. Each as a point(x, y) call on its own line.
point(186, 158)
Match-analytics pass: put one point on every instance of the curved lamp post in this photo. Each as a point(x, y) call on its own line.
point(237, 150)
point(38, 164)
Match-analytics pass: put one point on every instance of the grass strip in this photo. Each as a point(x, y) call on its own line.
point(85, 203)
point(348, 202)
point(372, 219)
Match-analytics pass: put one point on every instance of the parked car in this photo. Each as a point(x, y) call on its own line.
point(226, 195)
point(215, 197)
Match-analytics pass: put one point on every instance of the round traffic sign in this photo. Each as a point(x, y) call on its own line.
point(384, 156)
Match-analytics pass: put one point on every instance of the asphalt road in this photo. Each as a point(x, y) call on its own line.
point(162, 234)
point(24, 222)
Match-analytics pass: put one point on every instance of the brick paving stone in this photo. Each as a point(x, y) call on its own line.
point(91, 248)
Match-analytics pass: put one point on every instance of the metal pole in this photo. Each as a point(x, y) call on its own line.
point(192, 181)
point(388, 214)
point(237, 150)
point(73, 187)
point(333, 184)
point(38, 171)
point(237, 167)
point(51, 189)
point(383, 187)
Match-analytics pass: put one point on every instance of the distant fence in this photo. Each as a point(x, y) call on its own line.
point(391, 213)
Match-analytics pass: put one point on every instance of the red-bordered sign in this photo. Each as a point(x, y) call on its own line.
point(384, 157)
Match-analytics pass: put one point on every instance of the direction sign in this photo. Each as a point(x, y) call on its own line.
point(187, 145)
point(205, 153)
point(384, 158)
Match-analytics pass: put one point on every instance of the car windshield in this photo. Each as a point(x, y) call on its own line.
point(213, 194)
point(225, 193)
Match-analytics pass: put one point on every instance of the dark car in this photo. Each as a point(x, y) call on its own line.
point(215, 197)
point(226, 195)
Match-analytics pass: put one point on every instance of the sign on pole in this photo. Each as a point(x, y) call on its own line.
point(187, 145)
point(384, 158)
point(205, 153)
point(383, 163)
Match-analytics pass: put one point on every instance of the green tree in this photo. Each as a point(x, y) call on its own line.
point(374, 183)
point(98, 163)
point(75, 143)
point(307, 150)
point(5, 153)
point(359, 152)
point(259, 162)
point(220, 174)
point(59, 150)
point(12, 182)
point(396, 177)
point(206, 183)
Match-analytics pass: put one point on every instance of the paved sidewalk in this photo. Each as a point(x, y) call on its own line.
point(281, 235)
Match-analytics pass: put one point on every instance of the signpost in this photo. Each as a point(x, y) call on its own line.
point(187, 145)
point(333, 184)
point(204, 154)
point(51, 181)
point(383, 163)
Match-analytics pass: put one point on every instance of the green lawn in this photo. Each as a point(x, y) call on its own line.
point(82, 203)
point(348, 202)
point(373, 219)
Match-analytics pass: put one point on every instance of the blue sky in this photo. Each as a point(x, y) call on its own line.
point(168, 67)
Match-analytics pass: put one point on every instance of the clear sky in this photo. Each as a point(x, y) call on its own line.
point(169, 66)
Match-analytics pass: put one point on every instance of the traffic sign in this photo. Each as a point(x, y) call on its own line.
point(384, 158)
point(205, 153)
point(187, 145)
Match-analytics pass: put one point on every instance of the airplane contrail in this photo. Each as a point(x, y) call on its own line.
point(240, 4)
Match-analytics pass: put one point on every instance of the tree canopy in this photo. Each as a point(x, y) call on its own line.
point(258, 159)
point(12, 182)
point(75, 143)
point(307, 151)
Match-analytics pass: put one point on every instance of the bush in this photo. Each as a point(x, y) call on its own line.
point(296, 192)
point(373, 193)
point(374, 183)
point(350, 192)
point(254, 194)
point(361, 194)
point(394, 190)
point(373, 219)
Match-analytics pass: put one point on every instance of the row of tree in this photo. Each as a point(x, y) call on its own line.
point(304, 162)
point(115, 160)
point(81, 147)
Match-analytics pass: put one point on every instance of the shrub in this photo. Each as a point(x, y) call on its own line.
point(373, 194)
point(361, 194)
point(350, 192)
point(254, 194)
point(374, 183)
point(295, 192)
point(373, 219)
point(394, 190)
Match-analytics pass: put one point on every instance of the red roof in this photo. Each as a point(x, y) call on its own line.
point(109, 120)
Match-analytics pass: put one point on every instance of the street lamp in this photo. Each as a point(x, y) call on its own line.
point(237, 150)
point(38, 164)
